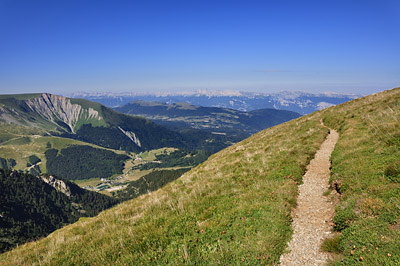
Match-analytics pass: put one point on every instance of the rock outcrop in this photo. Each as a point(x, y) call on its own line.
point(54, 107)
point(131, 135)
point(58, 184)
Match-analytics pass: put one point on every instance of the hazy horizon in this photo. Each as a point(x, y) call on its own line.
point(154, 46)
point(209, 92)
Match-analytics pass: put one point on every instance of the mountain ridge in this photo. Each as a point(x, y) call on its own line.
point(300, 102)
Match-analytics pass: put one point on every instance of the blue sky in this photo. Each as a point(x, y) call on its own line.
point(168, 45)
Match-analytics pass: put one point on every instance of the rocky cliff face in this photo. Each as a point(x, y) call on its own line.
point(132, 136)
point(47, 110)
point(58, 184)
point(8, 116)
point(54, 107)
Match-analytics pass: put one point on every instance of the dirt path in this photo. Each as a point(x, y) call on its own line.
point(312, 218)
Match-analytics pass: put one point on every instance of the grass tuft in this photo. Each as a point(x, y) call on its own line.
point(331, 244)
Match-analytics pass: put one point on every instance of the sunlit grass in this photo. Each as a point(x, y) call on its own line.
point(232, 209)
point(368, 215)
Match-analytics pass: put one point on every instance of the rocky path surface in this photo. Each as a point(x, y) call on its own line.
point(312, 218)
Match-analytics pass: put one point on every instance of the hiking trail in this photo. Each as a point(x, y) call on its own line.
point(312, 217)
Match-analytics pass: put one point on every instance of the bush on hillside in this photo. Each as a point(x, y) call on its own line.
point(33, 159)
point(392, 171)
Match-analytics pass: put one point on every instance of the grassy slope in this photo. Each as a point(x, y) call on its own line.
point(369, 212)
point(86, 104)
point(235, 207)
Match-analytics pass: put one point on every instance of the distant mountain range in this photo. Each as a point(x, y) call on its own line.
point(215, 120)
point(300, 102)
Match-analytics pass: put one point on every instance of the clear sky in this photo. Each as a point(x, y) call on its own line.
point(60, 46)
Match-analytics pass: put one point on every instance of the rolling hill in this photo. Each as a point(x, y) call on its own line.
point(235, 208)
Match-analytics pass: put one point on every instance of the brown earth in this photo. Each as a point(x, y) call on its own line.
point(312, 217)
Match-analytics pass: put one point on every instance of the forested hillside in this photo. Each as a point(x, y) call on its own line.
point(31, 209)
point(83, 162)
